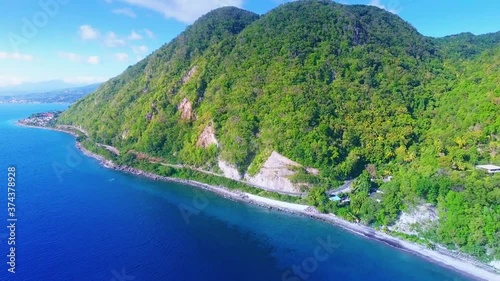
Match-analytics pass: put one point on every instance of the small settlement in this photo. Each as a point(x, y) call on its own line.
point(44, 119)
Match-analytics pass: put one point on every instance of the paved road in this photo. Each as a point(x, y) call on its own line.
point(117, 152)
point(73, 128)
point(346, 187)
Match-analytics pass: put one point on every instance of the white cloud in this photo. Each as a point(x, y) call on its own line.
point(149, 33)
point(126, 12)
point(93, 60)
point(121, 57)
point(110, 40)
point(140, 49)
point(379, 4)
point(8, 81)
point(113, 41)
point(186, 11)
point(72, 57)
point(134, 36)
point(87, 32)
point(15, 56)
point(84, 79)
point(76, 58)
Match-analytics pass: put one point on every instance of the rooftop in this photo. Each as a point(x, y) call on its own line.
point(488, 167)
point(335, 198)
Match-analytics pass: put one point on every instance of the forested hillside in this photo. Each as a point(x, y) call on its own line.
point(347, 90)
point(467, 45)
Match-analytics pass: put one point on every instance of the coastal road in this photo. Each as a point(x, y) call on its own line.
point(155, 160)
point(70, 127)
point(346, 187)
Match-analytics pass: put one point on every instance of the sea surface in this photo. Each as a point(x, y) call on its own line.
point(80, 221)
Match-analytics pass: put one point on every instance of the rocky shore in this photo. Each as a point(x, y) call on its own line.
point(469, 267)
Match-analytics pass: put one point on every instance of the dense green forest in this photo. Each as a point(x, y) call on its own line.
point(353, 91)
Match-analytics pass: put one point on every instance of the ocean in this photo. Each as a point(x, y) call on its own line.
point(77, 220)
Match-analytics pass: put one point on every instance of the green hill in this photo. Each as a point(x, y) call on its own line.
point(467, 45)
point(324, 70)
point(332, 87)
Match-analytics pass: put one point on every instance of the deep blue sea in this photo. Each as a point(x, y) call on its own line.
point(80, 221)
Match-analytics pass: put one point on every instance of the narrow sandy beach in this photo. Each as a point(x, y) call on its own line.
point(277, 204)
point(471, 269)
point(443, 259)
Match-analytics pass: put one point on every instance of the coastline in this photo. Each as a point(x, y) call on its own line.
point(469, 268)
point(48, 128)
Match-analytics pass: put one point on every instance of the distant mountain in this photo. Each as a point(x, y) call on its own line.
point(38, 87)
point(59, 96)
point(467, 45)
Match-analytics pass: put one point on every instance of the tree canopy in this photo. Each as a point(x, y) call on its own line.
point(332, 87)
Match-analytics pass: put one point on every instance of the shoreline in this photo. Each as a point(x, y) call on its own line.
point(47, 128)
point(445, 258)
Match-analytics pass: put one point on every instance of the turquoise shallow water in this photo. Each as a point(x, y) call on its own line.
point(80, 221)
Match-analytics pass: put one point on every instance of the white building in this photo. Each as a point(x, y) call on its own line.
point(489, 168)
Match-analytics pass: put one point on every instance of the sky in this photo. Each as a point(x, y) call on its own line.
point(90, 41)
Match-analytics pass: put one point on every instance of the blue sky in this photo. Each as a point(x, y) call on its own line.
point(94, 40)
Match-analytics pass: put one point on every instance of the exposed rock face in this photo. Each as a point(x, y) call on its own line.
point(495, 264)
point(312, 171)
point(207, 137)
point(125, 134)
point(274, 174)
point(229, 171)
point(189, 75)
point(186, 109)
point(420, 217)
